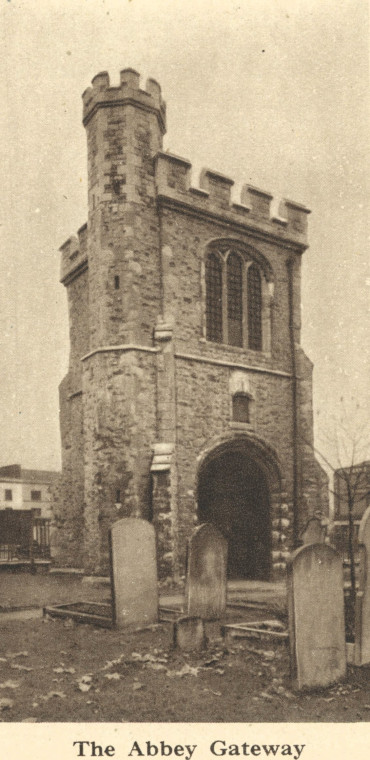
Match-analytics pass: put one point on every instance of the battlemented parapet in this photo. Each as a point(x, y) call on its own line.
point(74, 256)
point(213, 198)
point(102, 95)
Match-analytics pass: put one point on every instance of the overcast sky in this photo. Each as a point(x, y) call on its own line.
point(271, 92)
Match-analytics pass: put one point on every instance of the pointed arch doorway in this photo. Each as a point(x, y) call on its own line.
point(233, 494)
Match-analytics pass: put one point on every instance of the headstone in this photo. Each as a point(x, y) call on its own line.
point(133, 572)
point(314, 532)
point(362, 614)
point(205, 593)
point(189, 634)
point(316, 616)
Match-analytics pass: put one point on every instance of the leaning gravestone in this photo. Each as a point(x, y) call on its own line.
point(314, 532)
point(133, 572)
point(205, 593)
point(362, 616)
point(316, 616)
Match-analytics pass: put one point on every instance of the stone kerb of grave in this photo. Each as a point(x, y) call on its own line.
point(205, 593)
point(133, 572)
point(362, 614)
point(316, 616)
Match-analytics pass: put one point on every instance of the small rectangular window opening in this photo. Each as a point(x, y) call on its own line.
point(8, 494)
point(116, 282)
point(241, 408)
point(118, 496)
point(35, 495)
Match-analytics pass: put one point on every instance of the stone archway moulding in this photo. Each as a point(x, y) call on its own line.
point(267, 460)
point(262, 453)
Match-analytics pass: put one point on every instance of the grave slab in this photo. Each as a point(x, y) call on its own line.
point(133, 572)
point(205, 593)
point(362, 613)
point(316, 616)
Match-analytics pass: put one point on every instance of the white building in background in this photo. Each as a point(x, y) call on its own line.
point(27, 489)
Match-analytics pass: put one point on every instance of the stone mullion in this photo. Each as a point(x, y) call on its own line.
point(246, 266)
point(225, 326)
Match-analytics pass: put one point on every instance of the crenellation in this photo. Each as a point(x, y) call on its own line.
point(130, 78)
point(217, 186)
point(100, 81)
point(258, 200)
point(172, 172)
point(74, 256)
point(82, 238)
point(296, 215)
point(102, 95)
point(173, 181)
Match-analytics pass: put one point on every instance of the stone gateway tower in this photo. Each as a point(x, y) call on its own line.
point(188, 397)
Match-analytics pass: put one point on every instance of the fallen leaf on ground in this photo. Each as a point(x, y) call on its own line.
point(6, 704)
point(137, 685)
point(52, 694)
point(113, 676)
point(84, 686)
point(16, 666)
point(11, 655)
point(84, 683)
point(155, 666)
point(208, 663)
point(69, 623)
point(110, 663)
point(186, 670)
point(10, 685)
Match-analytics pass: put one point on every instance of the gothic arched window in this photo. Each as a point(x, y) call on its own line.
point(237, 301)
point(214, 298)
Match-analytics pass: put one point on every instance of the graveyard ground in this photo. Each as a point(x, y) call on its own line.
point(55, 670)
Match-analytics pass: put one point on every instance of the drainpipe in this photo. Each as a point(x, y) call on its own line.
point(296, 488)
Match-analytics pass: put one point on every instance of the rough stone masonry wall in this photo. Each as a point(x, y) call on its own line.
point(119, 433)
point(123, 227)
point(204, 419)
point(203, 397)
point(315, 493)
point(68, 510)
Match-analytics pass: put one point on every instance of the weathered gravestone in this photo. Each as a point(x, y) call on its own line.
point(316, 616)
point(205, 593)
point(314, 532)
point(133, 572)
point(189, 634)
point(362, 615)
